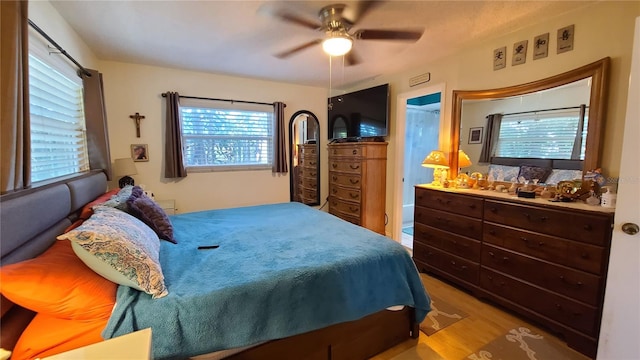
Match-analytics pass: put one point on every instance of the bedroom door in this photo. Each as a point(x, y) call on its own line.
point(621, 314)
point(412, 132)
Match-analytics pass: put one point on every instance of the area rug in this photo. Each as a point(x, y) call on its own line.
point(442, 314)
point(418, 352)
point(522, 344)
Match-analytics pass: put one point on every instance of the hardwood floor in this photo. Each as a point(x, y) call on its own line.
point(455, 342)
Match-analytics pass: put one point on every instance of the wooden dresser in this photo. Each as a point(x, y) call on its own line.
point(545, 261)
point(308, 174)
point(357, 183)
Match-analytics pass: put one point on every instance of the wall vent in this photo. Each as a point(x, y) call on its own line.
point(420, 79)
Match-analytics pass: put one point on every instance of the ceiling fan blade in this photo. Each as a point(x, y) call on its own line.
point(372, 34)
point(295, 19)
point(294, 50)
point(351, 58)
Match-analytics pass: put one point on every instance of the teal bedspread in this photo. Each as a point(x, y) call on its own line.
point(279, 270)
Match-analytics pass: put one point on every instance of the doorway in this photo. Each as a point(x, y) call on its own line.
point(419, 121)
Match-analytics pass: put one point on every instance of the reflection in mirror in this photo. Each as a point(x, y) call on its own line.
point(304, 150)
point(554, 124)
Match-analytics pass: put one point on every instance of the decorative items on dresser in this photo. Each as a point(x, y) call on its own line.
point(357, 182)
point(543, 260)
point(308, 174)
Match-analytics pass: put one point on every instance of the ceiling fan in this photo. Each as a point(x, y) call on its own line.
point(337, 22)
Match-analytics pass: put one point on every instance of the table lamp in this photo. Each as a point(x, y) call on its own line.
point(438, 161)
point(463, 159)
point(124, 167)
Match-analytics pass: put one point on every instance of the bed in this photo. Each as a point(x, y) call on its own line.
point(273, 281)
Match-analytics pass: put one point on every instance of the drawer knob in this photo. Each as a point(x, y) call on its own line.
point(334, 178)
point(493, 210)
point(334, 190)
point(355, 152)
point(588, 227)
point(353, 196)
point(492, 232)
point(472, 206)
point(543, 218)
point(577, 284)
point(353, 209)
point(354, 167)
point(527, 215)
point(334, 165)
point(354, 181)
point(312, 162)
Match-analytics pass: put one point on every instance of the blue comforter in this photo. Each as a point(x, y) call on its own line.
point(279, 270)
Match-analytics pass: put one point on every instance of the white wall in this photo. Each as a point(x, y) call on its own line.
point(602, 29)
point(131, 88)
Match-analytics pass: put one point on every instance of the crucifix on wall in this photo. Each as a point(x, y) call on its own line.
point(137, 117)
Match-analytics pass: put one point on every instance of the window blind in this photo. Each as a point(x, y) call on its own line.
point(227, 138)
point(58, 134)
point(540, 136)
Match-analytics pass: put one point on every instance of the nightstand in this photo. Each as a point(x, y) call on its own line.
point(133, 346)
point(169, 206)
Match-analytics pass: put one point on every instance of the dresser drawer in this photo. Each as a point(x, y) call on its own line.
point(308, 172)
point(344, 207)
point(461, 225)
point(347, 150)
point(576, 284)
point(452, 243)
point(458, 204)
point(426, 254)
point(345, 180)
point(353, 167)
point(351, 194)
point(566, 224)
point(574, 254)
point(444, 262)
point(552, 306)
point(350, 218)
point(308, 150)
point(310, 182)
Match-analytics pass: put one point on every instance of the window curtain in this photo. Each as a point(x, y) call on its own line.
point(173, 162)
point(15, 172)
point(490, 137)
point(279, 143)
point(577, 143)
point(95, 116)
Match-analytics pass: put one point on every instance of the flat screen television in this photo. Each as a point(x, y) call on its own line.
point(359, 115)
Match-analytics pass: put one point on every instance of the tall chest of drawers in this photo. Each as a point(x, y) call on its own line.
point(308, 174)
point(545, 261)
point(357, 183)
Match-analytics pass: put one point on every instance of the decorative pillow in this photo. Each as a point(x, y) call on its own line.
point(57, 283)
point(119, 201)
point(502, 172)
point(147, 210)
point(530, 172)
point(87, 210)
point(121, 248)
point(47, 335)
point(558, 175)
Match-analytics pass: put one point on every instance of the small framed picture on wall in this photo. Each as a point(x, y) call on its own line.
point(475, 135)
point(140, 152)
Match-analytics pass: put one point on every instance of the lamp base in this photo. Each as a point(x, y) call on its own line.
point(439, 176)
point(125, 180)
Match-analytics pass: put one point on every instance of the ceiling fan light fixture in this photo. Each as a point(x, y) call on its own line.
point(337, 45)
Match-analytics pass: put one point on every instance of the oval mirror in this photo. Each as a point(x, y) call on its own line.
point(304, 150)
point(576, 97)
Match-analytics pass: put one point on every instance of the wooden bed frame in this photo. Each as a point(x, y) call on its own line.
point(31, 220)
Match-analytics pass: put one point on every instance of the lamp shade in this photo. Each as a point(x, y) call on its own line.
point(436, 159)
point(337, 45)
point(463, 159)
point(124, 167)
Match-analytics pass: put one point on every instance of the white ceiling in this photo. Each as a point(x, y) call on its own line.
point(237, 37)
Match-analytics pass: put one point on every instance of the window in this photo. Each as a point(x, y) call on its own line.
point(550, 135)
point(58, 134)
point(219, 137)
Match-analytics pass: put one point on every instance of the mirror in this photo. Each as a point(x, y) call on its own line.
point(304, 150)
point(541, 96)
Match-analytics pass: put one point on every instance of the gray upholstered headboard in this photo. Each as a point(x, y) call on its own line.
point(31, 219)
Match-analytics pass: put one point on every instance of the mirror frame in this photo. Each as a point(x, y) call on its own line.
point(598, 71)
point(291, 145)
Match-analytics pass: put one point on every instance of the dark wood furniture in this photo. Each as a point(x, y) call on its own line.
point(307, 179)
point(357, 183)
point(545, 261)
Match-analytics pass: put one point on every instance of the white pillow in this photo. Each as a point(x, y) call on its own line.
point(120, 248)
